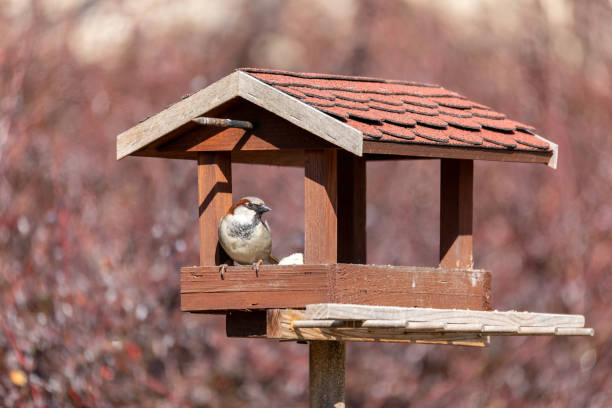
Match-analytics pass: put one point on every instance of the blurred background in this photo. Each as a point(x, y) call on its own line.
point(90, 247)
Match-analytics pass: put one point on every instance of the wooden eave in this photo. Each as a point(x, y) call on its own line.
point(375, 150)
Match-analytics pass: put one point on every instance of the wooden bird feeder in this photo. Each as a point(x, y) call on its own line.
point(332, 126)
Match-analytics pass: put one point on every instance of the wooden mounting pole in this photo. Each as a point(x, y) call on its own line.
point(327, 374)
point(321, 246)
point(215, 198)
point(456, 188)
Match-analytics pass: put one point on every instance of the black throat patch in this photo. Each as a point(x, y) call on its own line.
point(244, 231)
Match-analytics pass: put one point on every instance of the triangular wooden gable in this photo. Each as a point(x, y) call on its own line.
point(281, 116)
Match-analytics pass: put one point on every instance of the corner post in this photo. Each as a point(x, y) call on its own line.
point(352, 243)
point(320, 203)
point(456, 202)
point(327, 358)
point(215, 198)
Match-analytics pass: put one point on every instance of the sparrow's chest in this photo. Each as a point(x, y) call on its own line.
point(236, 230)
point(246, 231)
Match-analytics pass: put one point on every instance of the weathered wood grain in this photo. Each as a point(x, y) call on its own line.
point(177, 115)
point(326, 375)
point(215, 198)
point(570, 331)
point(280, 326)
point(293, 324)
point(442, 325)
point(456, 186)
point(554, 158)
point(320, 206)
point(295, 286)
point(430, 315)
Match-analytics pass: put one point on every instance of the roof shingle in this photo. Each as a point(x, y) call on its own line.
point(404, 112)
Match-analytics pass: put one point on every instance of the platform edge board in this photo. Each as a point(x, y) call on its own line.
point(296, 286)
point(332, 311)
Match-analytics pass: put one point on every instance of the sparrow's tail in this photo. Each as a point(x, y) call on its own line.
point(273, 260)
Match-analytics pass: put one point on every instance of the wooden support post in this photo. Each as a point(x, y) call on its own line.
point(320, 202)
point(327, 374)
point(215, 198)
point(456, 213)
point(351, 208)
point(321, 246)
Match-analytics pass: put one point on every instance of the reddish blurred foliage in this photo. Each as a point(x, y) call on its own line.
point(90, 247)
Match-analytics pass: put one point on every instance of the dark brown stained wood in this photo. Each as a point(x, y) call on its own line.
point(351, 208)
point(245, 324)
point(411, 287)
point(451, 152)
point(293, 158)
point(456, 207)
point(387, 157)
point(276, 287)
point(170, 155)
point(269, 132)
point(320, 205)
point(215, 198)
point(295, 286)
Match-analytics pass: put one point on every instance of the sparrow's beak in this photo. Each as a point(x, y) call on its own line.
point(262, 208)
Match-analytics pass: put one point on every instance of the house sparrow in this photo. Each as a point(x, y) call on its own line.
point(244, 236)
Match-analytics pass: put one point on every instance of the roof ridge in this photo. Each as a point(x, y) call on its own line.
point(449, 94)
point(312, 75)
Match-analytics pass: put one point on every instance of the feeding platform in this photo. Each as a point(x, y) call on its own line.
point(344, 322)
point(332, 126)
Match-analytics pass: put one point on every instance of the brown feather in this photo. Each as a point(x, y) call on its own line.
point(238, 204)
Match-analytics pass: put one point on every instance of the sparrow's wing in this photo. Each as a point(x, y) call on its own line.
point(273, 259)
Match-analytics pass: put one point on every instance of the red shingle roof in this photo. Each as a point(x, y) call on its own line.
point(404, 112)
